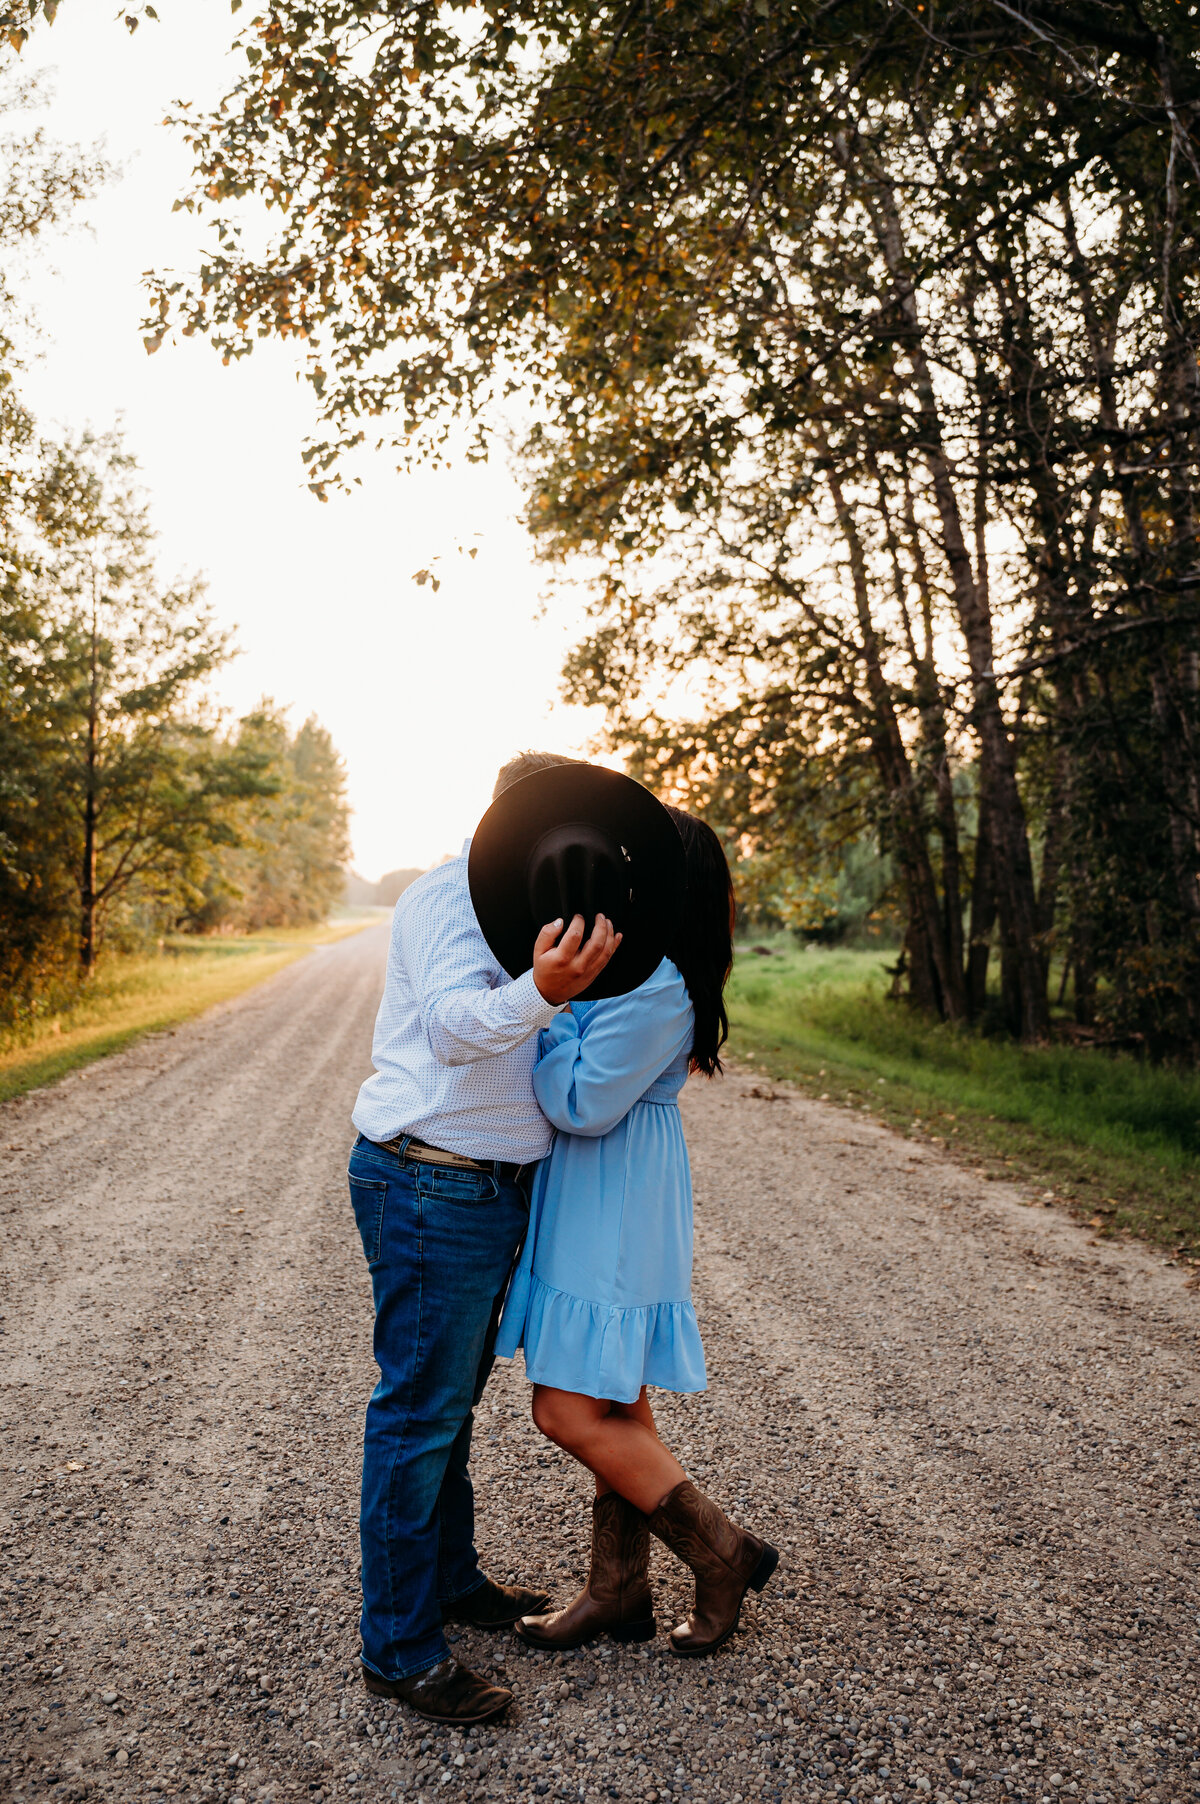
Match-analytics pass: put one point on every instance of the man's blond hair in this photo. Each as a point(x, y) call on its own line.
point(524, 765)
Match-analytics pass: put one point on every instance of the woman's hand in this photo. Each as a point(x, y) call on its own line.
point(563, 967)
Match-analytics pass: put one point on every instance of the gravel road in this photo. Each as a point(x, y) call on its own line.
point(971, 1430)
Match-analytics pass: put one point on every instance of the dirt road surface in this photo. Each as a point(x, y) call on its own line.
point(972, 1432)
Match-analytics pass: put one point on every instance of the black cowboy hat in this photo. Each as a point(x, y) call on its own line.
point(578, 839)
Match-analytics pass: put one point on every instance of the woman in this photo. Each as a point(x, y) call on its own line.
point(601, 1299)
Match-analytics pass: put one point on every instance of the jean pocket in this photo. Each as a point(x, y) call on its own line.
point(450, 1186)
point(367, 1196)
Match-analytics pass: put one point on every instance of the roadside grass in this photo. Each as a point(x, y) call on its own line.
point(135, 995)
point(1116, 1140)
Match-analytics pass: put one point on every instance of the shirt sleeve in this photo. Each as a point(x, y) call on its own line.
point(589, 1078)
point(450, 969)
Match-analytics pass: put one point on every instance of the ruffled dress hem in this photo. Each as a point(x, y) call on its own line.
point(606, 1350)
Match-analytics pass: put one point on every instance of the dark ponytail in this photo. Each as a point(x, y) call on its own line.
point(702, 947)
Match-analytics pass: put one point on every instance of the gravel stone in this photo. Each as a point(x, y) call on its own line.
point(970, 1430)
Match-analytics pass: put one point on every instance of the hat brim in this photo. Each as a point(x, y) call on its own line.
point(497, 868)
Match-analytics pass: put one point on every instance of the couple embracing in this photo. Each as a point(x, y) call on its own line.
point(547, 994)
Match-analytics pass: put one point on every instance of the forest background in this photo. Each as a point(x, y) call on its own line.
point(864, 350)
point(862, 344)
point(130, 812)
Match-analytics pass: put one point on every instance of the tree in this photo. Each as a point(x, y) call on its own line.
point(119, 791)
point(910, 291)
point(124, 781)
point(19, 17)
point(288, 866)
point(40, 184)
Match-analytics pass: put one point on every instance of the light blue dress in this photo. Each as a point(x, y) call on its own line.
point(601, 1297)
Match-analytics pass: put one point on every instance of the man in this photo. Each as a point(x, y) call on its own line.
point(447, 1126)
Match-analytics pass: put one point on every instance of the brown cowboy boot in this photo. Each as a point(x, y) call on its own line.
point(493, 1606)
point(616, 1597)
point(725, 1559)
point(445, 1693)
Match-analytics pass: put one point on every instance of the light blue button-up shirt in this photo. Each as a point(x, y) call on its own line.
point(455, 1037)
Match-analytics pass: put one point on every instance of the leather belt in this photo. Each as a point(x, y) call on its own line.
point(407, 1148)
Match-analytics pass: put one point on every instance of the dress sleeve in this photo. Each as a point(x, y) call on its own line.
point(564, 1027)
point(591, 1075)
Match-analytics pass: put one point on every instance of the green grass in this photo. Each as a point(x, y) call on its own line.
point(1117, 1140)
point(131, 996)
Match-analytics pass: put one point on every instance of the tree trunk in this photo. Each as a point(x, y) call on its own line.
point(1013, 863)
point(87, 889)
point(1010, 985)
point(1180, 779)
point(933, 722)
point(983, 917)
point(1052, 855)
point(891, 759)
point(1179, 395)
point(1177, 679)
point(1083, 975)
point(87, 875)
point(924, 990)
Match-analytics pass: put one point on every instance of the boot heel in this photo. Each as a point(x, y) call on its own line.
point(765, 1567)
point(635, 1631)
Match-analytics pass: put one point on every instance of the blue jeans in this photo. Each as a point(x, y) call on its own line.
point(440, 1245)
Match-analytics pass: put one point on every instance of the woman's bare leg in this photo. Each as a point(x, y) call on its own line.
point(618, 1442)
point(641, 1412)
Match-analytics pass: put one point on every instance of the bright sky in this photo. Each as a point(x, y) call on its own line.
point(424, 695)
